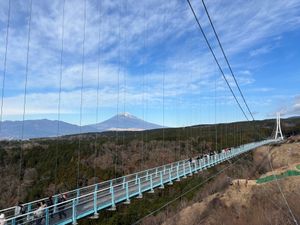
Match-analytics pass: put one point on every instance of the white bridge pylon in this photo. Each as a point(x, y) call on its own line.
point(278, 132)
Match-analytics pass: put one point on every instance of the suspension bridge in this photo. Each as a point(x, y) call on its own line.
point(89, 201)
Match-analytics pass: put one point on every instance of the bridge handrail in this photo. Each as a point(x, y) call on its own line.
point(180, 162)
point(65, 203)
point(97, 184)
point(92, 185)
point(101, 183)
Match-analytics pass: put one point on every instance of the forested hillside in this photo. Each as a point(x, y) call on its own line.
point(41, 167)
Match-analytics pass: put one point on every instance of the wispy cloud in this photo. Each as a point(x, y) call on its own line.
point(291, 109)
point(261, 50)
point(140, 42)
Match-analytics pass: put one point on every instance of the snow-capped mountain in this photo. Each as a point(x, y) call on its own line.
point(125, 122)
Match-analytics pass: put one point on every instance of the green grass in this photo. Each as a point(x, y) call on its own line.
point(288, 173)
point(298, 167)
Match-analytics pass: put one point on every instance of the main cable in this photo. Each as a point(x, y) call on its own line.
point(226, 59)
point(215, 58)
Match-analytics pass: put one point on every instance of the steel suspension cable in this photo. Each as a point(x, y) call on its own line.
point(118, 86)
point(4, 63)
point(143, 83)
point(177, 117)
point(59, 94)
point(81, 92)
point(215, 58)
point(25, 96)
point(215, 112)
point(163, 82)
point(192, 118)
point(226, 59)
point(200, 124)
point(98, 84)
point(146, 89)
point(124, 82)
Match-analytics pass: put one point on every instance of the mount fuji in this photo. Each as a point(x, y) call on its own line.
point(124, 122)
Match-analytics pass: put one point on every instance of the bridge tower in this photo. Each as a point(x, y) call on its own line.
point(278, 132)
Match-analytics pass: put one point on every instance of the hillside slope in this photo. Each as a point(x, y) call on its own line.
point(246, 201)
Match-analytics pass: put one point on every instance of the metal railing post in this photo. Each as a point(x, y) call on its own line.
point(170, 177)
point(161, 180)
point(113, 204)
point(55, 203)
point(95, 202)
point(47, 216)
point(127, 193)
point(140, 189)
point(110, 186)
point(74, 217)
point(28, 207)
point(151, 184)
point(177, 173)
point(124, 179)
point(28, 210)
point(191, 172)
point(77, 195)
point(184, 170)
point(202, 164)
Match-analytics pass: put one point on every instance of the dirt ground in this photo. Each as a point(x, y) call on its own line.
point(245, 201)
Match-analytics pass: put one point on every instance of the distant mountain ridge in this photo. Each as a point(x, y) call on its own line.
point(48, 128)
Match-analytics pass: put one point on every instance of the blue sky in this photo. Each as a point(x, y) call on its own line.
point(142, 43)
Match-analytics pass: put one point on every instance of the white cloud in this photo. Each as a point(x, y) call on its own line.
point(293, 109)
point(173, 45)
point(261, 50)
